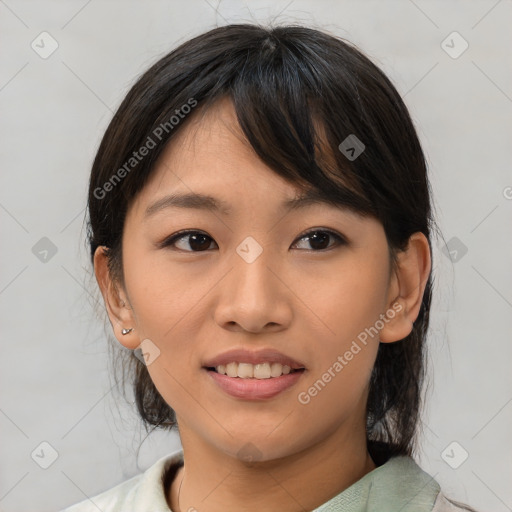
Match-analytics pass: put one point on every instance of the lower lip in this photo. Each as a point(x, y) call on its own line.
point(254, 389)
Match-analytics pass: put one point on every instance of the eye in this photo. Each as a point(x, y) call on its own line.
point(319, 239)
point(197, 241)
point(201, 242)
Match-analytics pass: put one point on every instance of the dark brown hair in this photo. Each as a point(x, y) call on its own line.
point(298, 94)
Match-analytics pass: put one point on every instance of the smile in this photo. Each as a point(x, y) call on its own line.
point(250, 388)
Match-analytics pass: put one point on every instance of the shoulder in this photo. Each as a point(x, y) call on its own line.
point(444, 504)
point(144, 492)
point(399, 483)
point(423, 491)
point(110, 500)
point(419, 490)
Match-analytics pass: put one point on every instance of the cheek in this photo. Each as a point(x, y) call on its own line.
point(169, 307)
point(344, 299)
point(161, 294)
point(344, 305)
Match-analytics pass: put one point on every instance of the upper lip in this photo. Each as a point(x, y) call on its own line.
point(241, 355)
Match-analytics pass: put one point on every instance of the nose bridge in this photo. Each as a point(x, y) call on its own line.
point(253, 281)
point(253, 296)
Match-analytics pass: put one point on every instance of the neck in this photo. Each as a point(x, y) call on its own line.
point(212, 481)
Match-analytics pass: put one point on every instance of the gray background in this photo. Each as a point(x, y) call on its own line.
point(55, 376)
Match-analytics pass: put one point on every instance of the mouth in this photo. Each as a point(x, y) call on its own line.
point(253, 374)
point(253, 388)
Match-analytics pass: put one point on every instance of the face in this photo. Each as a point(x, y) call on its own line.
point(310, 282)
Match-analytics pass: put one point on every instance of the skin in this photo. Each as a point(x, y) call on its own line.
point(293, 297)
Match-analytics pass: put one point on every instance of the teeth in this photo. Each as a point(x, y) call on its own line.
point(256, 371)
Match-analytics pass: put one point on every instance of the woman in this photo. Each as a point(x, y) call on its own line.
point(260, 226)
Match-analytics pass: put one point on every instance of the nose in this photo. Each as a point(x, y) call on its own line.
point(254, 297)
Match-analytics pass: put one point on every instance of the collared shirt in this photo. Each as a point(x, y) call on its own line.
point(398, 485)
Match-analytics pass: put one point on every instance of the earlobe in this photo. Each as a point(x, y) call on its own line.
point(120, 315)
point(407, 289)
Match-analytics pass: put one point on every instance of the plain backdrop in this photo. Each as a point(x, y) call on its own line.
point(450, 60)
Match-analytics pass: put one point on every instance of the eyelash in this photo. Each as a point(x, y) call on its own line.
point(170, 241)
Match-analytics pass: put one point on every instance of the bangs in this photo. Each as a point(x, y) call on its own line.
point(284, 110)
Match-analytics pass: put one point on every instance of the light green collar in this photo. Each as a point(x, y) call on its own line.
point(399, 485)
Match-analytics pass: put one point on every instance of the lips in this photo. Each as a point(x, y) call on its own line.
point(253, 357)
point(254, 389)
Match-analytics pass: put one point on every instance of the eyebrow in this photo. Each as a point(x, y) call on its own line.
point(206, 202)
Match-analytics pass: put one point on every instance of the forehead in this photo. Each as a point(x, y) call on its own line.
point(212, 153)
point(213, 135)
point(211, 166)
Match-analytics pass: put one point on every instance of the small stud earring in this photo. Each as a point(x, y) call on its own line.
point(127, 331)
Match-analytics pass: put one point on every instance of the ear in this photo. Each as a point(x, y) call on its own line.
point(118, 308)
point(406, 289)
